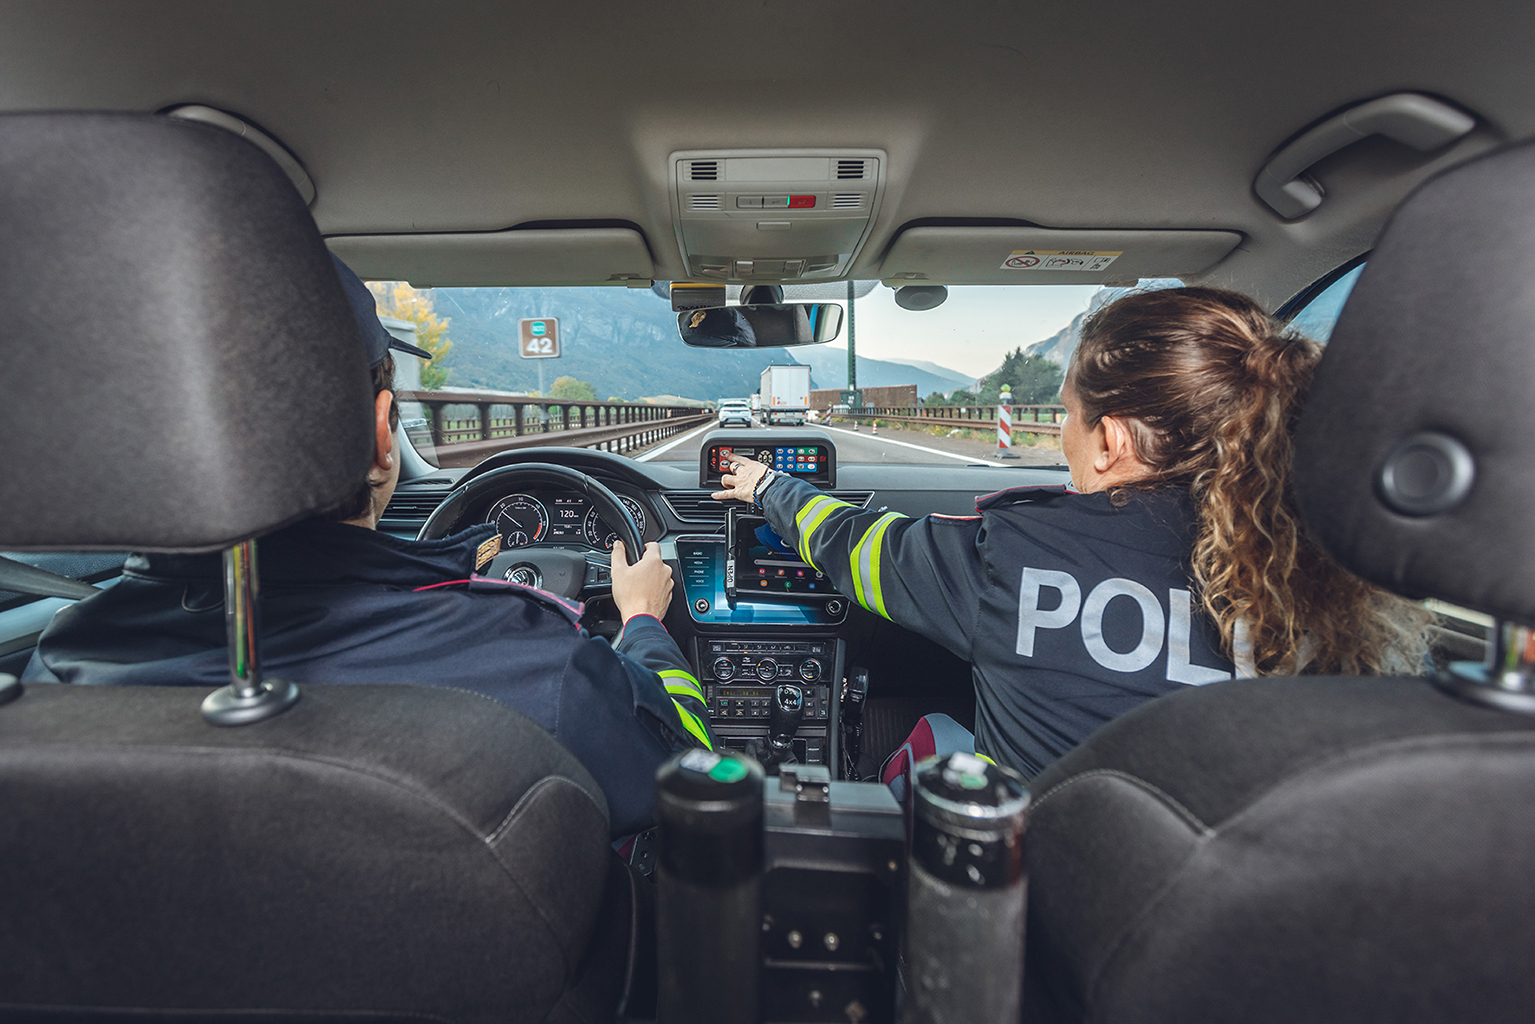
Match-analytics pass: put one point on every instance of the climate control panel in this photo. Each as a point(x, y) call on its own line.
point(741, 676)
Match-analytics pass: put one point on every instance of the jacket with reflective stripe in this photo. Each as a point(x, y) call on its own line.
point(341, 604)
point(1070, 609)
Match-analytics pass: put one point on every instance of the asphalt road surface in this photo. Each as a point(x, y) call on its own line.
point(899, 447)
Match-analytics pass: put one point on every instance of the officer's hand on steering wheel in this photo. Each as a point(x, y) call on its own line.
point(644, 588)
point(742, 479)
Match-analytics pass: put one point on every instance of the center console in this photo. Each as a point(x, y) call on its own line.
point(741, 677)
point(765, 648)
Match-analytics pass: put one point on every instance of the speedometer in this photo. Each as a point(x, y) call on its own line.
point(521, 518)
point(596, 531)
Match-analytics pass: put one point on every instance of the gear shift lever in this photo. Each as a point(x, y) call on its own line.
point(788, 709)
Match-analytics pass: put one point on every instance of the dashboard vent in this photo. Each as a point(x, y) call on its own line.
point(703, 170)
point(413, 509)
point(705, 202)
point(847, 201)
point(698, 507)
point(850, 170)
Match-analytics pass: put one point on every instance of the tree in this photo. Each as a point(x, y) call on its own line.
point(401, 301)
point(571, 390)
point(936, 398)
point(1035, 380)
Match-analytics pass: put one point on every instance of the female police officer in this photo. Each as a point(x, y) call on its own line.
point(1177, 558)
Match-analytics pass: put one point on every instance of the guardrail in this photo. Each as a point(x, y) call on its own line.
point(463, 427)
point(1027, 419)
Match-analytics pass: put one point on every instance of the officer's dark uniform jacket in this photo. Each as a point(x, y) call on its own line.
point(1070, 608)
point(342, 604)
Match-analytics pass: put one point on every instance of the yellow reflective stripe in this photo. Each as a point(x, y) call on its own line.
point(686, 685)
point(864, 562)
point(693, 724)
point(983, 757)
point(799, 521)
point(810, 518)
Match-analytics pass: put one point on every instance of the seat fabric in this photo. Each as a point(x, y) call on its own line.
point(375, 851)
point(1320, 849)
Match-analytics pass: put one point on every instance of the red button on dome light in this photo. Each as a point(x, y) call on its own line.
point(801, 202)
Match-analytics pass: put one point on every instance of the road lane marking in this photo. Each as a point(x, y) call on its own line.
point(973, 460)
point(668, 446)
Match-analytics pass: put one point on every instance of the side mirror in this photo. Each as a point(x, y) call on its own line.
point(761, 325)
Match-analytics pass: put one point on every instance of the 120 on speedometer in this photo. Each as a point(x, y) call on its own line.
point(596, 531)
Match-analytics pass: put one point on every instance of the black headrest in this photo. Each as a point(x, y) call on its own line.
point(181, 367)
point(1415, 457)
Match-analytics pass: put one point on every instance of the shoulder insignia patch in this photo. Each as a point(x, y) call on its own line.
point(485, 552)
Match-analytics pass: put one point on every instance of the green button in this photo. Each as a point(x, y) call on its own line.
point(728, 770)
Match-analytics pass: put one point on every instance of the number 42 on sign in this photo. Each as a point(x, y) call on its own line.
point(538, 338)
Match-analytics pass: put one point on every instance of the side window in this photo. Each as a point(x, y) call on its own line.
point(1316, 318)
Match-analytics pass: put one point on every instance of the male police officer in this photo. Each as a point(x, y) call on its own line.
point(343, 603)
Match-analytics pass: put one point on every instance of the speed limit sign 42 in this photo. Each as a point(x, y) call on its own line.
point(538, 338)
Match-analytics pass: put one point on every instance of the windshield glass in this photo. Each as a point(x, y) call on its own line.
point(605, 367)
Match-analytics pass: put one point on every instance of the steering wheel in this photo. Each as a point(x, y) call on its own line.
point(558, 570)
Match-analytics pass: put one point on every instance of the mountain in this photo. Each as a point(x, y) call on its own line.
point(959, 379)
point(623, 341)
point(1060, 345)
point(828, 368)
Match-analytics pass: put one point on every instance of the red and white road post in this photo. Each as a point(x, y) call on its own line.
point(1005, 424)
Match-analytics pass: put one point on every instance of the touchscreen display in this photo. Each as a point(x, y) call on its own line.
point(766, 566)
point(802, 460)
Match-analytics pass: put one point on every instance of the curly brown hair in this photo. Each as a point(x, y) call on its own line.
point(1210, 388)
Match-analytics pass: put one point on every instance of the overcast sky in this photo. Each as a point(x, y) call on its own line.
point(972, 331)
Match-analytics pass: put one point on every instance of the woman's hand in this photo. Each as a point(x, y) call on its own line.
point(742, 479)
point(644, 588)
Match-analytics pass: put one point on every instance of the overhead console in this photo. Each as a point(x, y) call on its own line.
point(774, 215)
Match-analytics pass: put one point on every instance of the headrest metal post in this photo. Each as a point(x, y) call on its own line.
point(1507, 679)
point(248, 698)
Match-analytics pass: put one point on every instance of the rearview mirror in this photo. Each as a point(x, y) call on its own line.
point(761, 325)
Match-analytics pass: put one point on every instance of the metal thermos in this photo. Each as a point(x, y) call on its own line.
point(965, 893)
point(709, 888)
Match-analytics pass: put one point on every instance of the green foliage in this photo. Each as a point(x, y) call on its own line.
point(571, 390)
point(401, 301)
point(1035, 380)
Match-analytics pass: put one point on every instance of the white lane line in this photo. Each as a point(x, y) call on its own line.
point(668, 446)
point(973, 460)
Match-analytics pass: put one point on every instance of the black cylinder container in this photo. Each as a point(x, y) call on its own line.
point(965, 893)
point(709, 888)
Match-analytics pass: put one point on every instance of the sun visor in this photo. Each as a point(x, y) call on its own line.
point(536, 256)
point(1025, 255)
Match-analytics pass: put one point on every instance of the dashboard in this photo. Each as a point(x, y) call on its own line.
point(525, 519)
point(746, 612)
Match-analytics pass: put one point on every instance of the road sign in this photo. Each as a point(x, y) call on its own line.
point(852, 398)
point(538, 338)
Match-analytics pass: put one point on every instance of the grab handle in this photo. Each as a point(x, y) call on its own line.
point(1410, 118)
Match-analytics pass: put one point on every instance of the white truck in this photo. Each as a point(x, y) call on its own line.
point(785, 394)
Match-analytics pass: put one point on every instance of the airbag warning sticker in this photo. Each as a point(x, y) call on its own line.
point(1059, 259)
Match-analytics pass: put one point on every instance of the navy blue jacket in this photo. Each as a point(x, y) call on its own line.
point(1071, 609)
point(341, 604)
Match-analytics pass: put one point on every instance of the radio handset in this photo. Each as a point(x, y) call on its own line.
point(730, 555)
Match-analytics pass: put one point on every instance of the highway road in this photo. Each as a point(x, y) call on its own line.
point(894, 447)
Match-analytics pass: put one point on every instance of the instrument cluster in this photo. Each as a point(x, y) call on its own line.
point(567, 519)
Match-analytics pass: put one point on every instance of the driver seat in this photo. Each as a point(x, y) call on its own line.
point(1341, 849)
point(370, 853)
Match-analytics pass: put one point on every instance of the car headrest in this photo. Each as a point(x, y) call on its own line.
point(182, 369)
point(1415, 455)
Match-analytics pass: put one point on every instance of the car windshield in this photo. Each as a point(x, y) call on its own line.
point(605, 366)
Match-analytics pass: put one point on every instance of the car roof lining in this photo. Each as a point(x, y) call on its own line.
point(1112, 116)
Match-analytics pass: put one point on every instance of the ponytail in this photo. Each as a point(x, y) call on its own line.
point(1211, 388)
